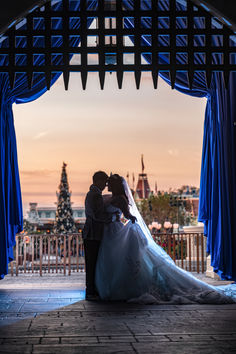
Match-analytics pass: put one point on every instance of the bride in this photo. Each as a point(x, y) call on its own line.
point(132, 267)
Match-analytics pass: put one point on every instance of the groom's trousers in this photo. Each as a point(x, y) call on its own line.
point(91, 248)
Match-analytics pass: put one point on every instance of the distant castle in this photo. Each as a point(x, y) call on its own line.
point(143, 190)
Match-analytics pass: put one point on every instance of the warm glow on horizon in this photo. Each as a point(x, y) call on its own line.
point(109, 130)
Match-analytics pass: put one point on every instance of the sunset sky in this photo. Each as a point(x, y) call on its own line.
point(108, 130)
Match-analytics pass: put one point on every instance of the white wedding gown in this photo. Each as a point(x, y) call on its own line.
point(132, 267)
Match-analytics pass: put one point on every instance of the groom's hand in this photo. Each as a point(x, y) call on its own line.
point(115, 217)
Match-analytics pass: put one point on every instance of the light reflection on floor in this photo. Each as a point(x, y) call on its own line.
point(19, 304)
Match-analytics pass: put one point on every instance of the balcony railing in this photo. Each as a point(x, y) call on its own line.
point(64, 254)
point(188, 250)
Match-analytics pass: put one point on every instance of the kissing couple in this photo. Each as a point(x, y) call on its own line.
point(123, 262)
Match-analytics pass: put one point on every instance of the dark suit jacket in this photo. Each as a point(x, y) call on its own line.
point(96, 215)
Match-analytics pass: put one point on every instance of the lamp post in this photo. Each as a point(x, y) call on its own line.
point(167, 225)
point(177, 201)
point(176, 227)
point(156, 226)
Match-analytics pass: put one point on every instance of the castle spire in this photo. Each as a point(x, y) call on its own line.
point(142, 163)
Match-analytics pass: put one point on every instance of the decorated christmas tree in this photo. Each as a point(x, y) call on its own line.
point(64, 222)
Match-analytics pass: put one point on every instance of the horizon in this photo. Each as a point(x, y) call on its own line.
point(107, 130)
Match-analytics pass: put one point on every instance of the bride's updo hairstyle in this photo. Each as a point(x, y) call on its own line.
point(116, 185)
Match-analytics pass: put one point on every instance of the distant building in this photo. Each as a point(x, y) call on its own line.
point(143, 190)
point(43, 218)
point(191, 194)
point(194, 206)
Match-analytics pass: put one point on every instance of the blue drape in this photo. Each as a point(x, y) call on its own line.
point(11, 215)
point(217, 185)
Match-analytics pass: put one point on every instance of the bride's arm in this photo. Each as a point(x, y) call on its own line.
point(123, 205)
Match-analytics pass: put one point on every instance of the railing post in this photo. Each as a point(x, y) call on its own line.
point(56, 253)
point(40, 253)
point(77, 253)
point(49, 245)
point(17, 254)
point(53, 251)
point(65, 254)
point(169, 245)
point(189, 249)
point(12, 268)
point(198, 271)
point(32, 247)
point(182, 251)
point(202, 252)
point(173, 247)
point(69, 254)
point(24, 243)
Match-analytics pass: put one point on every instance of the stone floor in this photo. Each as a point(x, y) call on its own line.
point(49, 315)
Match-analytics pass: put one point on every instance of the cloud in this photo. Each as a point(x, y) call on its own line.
point(36, 194)
point(173, 152)
point(78, 194)
point(37, 173)
point(40, 135)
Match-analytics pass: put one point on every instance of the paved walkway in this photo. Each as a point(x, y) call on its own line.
point(49, 315)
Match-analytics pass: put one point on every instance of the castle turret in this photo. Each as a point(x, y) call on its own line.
point(143, 189)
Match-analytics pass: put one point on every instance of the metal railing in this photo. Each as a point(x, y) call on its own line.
point(188, 250)
point(48, 254)
point(64, 254)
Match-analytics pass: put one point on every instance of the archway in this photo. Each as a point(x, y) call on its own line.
point(179, 41)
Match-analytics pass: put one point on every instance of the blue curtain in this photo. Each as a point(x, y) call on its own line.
point(218, 176)
point(11, 215)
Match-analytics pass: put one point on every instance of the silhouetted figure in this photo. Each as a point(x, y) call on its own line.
point(96, 217)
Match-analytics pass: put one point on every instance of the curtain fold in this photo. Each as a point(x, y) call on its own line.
point(11, 213)
point(218, 176)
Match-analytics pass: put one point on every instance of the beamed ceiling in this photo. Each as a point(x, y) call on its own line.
point(13, 10)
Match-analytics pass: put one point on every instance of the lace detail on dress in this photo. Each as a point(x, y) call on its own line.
point(134, 267)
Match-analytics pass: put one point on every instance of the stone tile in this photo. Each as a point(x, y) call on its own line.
point(190, 337)
point(224, 337)
point(117, 339)
point(16, 349)
point(84, 349)
point(160, 338)
point(74, 332)
point(76, 306)
point(73, 314)
point(18, 315)
point(179, 348)
point(4, 306)
point(79, 339)
point(12, 332)
point(49, 340)
point(38, 299)
point(22, 340)
point(21, 325)
point(41, 307)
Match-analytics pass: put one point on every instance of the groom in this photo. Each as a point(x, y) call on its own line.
point(92, 233)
